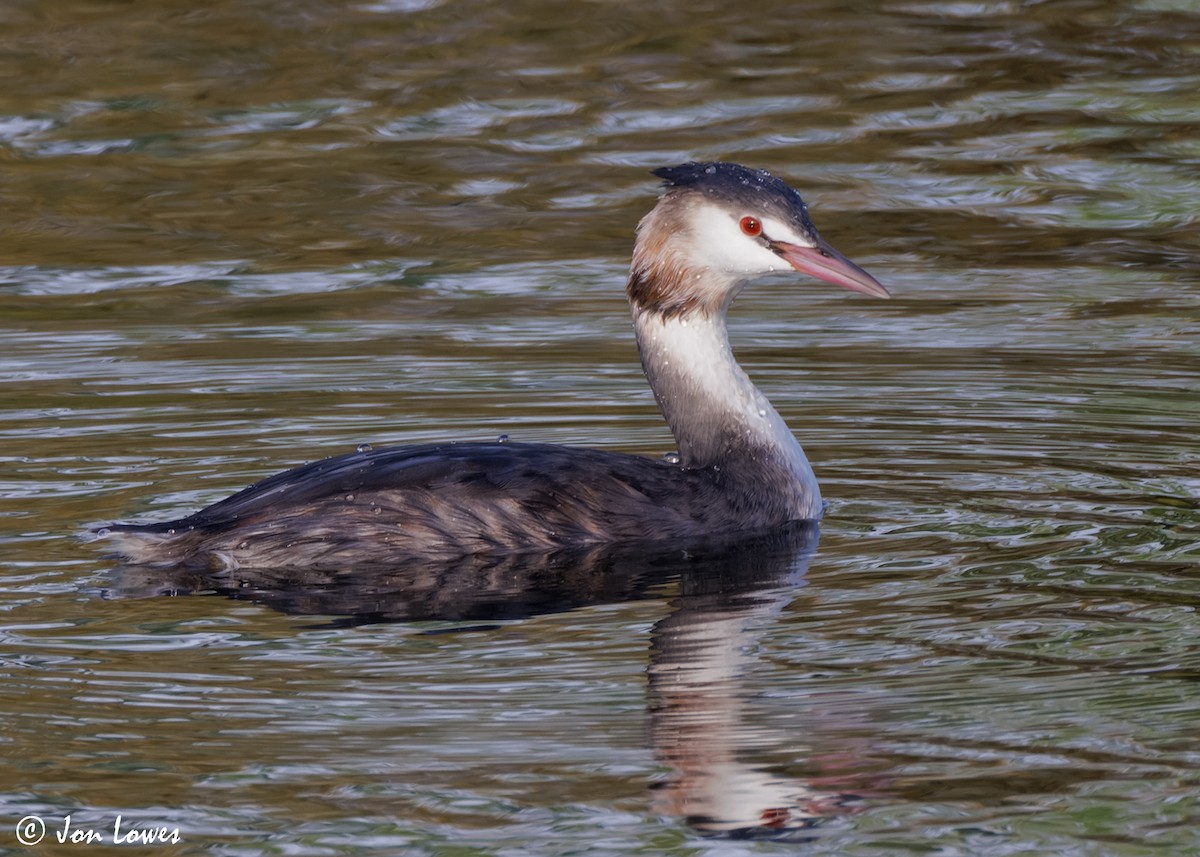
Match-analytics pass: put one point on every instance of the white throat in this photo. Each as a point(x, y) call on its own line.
point(716, 413)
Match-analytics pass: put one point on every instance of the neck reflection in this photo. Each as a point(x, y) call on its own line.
point(700, 728)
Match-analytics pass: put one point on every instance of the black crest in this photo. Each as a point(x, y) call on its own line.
point(737, 185)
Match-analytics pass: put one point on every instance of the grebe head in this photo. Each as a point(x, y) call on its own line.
point(719, 225)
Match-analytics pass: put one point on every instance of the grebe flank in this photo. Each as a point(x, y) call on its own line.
point(716, 227)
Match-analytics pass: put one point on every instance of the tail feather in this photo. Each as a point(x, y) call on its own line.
point(140, 545)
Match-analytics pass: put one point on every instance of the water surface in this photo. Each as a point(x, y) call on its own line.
point(245, 235)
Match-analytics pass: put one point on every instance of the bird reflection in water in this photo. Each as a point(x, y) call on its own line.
point(699, 654)
point(729, 594)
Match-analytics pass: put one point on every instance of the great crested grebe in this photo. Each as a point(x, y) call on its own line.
point(716, 227)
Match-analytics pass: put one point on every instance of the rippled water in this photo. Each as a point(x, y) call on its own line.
point(239, 236)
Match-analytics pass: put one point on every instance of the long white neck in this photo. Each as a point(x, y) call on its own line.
point(719, 418)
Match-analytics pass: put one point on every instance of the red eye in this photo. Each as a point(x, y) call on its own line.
point(751, 226)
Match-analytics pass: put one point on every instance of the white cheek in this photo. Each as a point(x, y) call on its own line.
point(718, 242)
